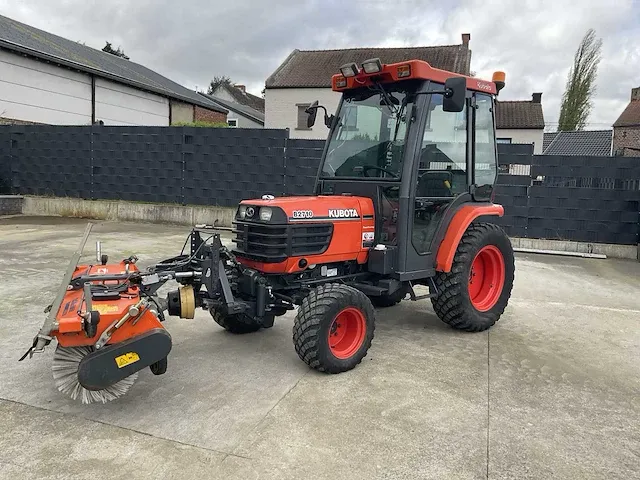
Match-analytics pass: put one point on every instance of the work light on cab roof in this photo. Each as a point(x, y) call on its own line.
point(374, 71)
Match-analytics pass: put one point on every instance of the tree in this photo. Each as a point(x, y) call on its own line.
point(217, 82)
point(118, 53)
point(576, 100)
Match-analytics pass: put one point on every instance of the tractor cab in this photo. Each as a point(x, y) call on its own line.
point(420, 142)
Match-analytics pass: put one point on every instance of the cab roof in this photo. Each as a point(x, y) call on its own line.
point(410, 70)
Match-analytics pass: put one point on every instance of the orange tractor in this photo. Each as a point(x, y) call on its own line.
point(403, 198)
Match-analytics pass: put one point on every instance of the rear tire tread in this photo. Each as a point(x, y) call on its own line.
point(452, 304)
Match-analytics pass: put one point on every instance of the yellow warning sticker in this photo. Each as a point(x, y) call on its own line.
point(103, 309)
point(127, 359)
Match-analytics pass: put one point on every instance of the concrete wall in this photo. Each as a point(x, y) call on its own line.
point(181, 112)
point(524, 136)
point(38, 92)
point(129, 211)
point(118, 104)
point(281, 110)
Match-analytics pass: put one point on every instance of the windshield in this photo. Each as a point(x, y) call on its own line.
point(369, 139)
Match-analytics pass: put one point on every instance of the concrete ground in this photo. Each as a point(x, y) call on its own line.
point(552, 391)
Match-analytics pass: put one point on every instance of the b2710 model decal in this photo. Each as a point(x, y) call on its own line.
point(302, 214)
point(332, 214)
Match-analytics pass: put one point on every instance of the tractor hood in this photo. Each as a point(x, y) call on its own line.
point(306, 209)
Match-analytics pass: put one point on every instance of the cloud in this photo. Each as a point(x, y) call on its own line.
point(192, 41)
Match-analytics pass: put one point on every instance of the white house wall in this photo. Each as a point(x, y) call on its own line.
point(281, 110)
point(39, 92)
point(118, 104)
point(243, 122)
point(524, 136)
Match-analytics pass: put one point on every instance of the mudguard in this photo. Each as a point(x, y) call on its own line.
point(459, 224)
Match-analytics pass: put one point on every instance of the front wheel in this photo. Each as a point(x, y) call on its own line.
point(334, 328)
point(474, 294)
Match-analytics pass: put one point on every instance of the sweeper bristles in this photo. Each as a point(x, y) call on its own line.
point(66, 361)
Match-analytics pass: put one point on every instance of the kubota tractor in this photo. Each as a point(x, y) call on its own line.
point(402, 198)
point(402, 195)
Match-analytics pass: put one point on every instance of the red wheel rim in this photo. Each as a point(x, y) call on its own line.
point(486, 278)
point(347, 333)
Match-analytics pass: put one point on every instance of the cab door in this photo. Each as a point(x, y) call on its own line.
point(440, 179)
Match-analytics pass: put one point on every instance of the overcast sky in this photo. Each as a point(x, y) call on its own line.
point(190, 41)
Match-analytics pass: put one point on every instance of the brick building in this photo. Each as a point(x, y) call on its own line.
point(626, 129)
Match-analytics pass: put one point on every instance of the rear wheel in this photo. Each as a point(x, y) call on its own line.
point(474, 294)
point(238, 323)
point(334, 327)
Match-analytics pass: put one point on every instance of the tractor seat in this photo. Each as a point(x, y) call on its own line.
point(435, 184)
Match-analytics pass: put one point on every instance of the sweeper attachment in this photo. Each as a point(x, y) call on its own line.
point(107, 320)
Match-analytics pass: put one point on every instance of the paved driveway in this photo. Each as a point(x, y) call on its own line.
point(552, 391)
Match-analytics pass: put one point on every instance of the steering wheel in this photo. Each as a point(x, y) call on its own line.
point(374, 167)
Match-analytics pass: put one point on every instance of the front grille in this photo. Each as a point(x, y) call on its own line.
point(276, 243)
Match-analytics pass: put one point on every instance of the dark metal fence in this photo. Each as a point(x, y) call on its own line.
point(591, 199)
point(578, 198)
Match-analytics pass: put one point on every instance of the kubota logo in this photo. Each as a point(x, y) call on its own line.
point(344, 213)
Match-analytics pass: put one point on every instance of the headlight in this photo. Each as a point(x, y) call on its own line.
point(265, 214)
point(242, 211)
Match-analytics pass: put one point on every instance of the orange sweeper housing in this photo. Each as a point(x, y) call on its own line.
point(403, 197)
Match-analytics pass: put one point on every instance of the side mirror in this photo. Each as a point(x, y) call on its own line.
point(455, 94)
point(312, 111)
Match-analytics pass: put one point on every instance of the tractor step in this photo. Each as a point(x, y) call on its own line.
point(415, 298)
point(371, 290)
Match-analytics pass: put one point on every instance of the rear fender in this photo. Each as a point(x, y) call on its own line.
point(458, 225)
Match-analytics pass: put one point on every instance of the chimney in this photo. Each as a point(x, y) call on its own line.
point(242, 88)
point(466, 37)
point(536, 98)
point(635, 94)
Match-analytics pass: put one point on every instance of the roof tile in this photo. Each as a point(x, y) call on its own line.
point(314, 68)
point(246, 98)
point(519, 114)
point(630, 117)
point(582, 142)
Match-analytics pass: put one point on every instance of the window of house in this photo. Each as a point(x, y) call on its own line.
point(232, 122)
point(503, 140)
point(302, 116)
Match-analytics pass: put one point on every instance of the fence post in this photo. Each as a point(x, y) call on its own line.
point(183, 164)
point(91, 162)
point(285, 154)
